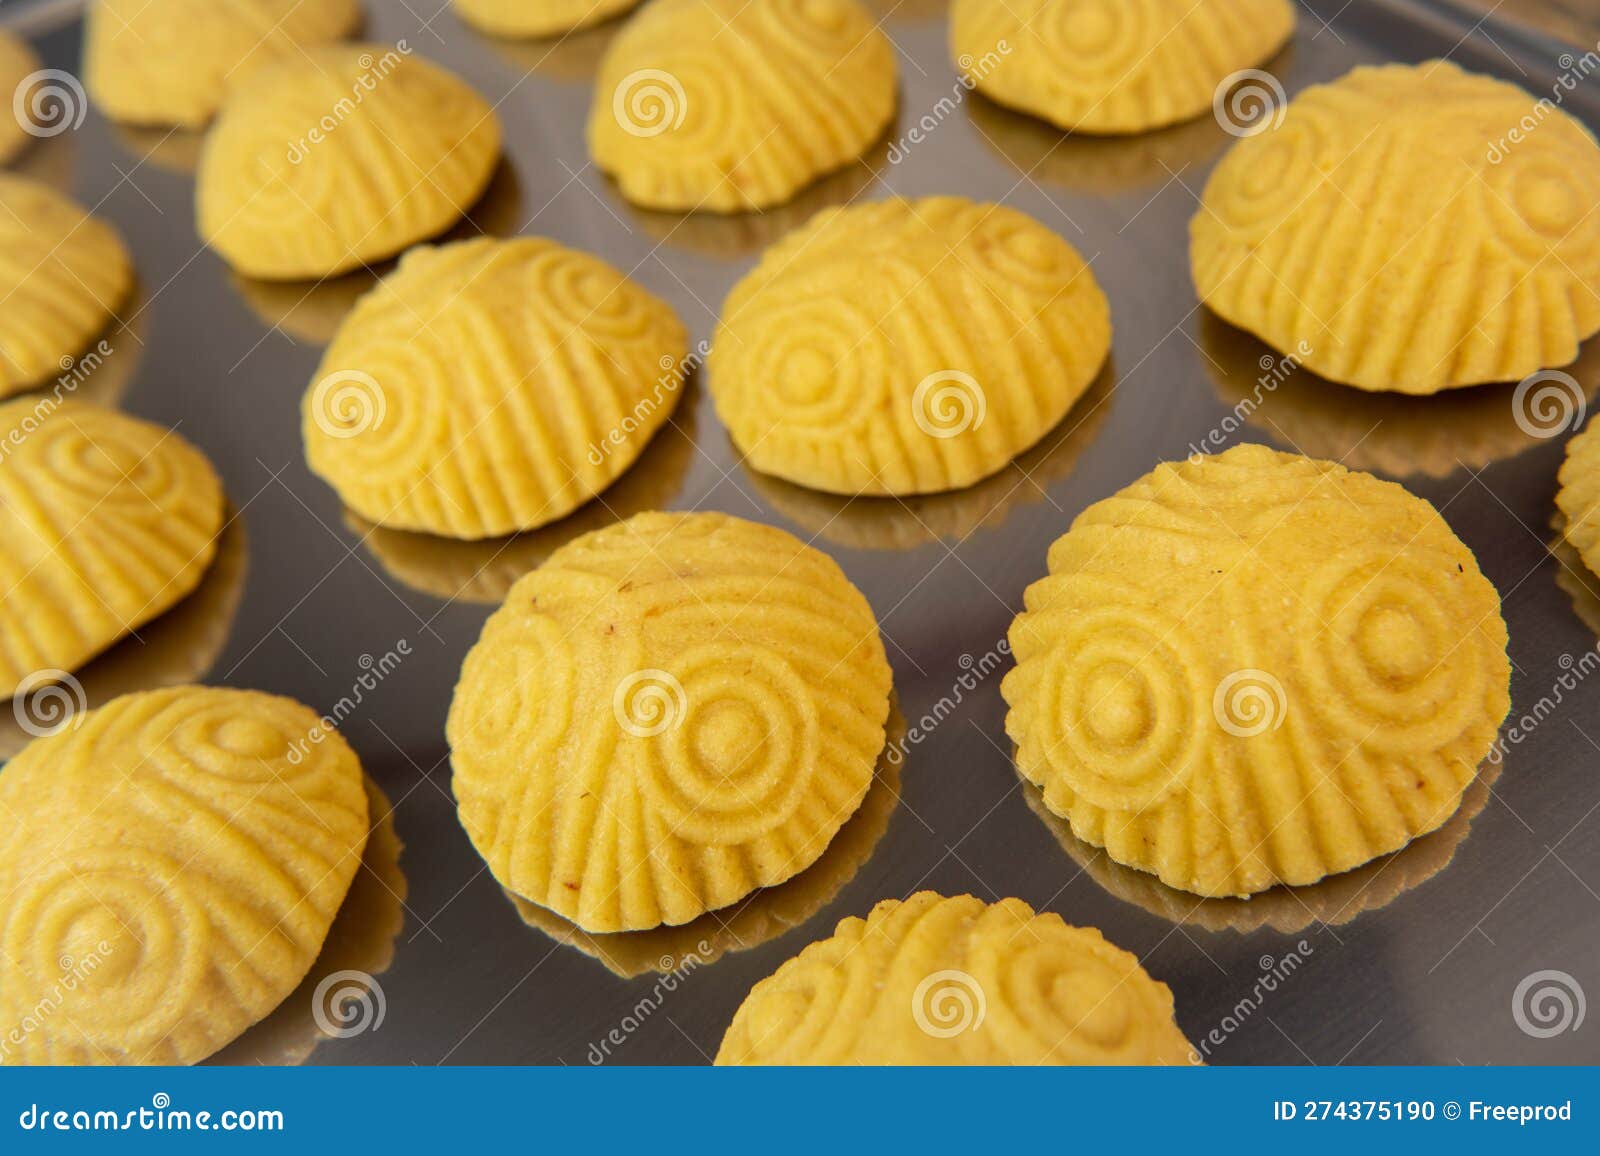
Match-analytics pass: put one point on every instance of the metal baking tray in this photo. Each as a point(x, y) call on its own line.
point(1421, 958)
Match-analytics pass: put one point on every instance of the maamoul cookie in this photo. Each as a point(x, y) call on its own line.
point(171, 868)
point(105, 522)
point(169, 62)
point(931, 980)
point(906, 347)
point(491, 386)
point(1113, 66)
point(63, 273)
point(18, 61)
point(1393, 225)
point(1256, 668)
point(1578, 499)
point(730, 105)
point(665, 716)
point(340, 156)
point(537, 17)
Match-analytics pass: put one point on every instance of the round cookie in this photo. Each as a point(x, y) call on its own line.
point(63, 274)
point(340, 156)
point(172, 863)
point(931, 980)
point(667, 715)
point(1578, 499)
point(18, 62)
point(906, 347)
point(491, 386)
point(529, 18)
point(105, 522)
point(1256, 668)
point(1393, 225)
point(731, 105)
point(169, 62)
point(1113, 66)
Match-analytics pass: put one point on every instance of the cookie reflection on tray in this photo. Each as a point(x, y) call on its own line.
point(1575, 578)
point(1333, 901)
point(174, 149)
point(873, 523)
point(573, 57)
point(758, 918)
point(340, 994)
point(1393, 434)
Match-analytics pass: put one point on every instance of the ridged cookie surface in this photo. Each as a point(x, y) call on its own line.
point(1393, 225)
point(491, 386)
point(906, 346)
point(171, 61)
point(63, 274)
point(730, 105)
point(171, 869)
point(1112, 66)
point(1256, 668)
point(105, 522)
point(518, 18)
point(665, 716)
point(1578, 499)
point(339, 156)
point(957, 981)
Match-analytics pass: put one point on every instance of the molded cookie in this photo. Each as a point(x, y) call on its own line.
point(1112, 66)
point(340, 156)
point(1578, 499)
point(105, 522)
point(1256, 668)
point(172, 863)
point(63, 274)
point(957, 981)
point(18, 61)
point(665, 716)
point(729, 105)
point(170, 62)
point(1405, 226)
point(906, 347)
point(519, 18)
point(491, 386)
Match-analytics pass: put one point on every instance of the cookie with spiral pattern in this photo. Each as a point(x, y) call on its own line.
point(340, 156)
point(63, 275)
point(170, 62)
point(930, 980)
point(906, 346)
point(1578, 499)
point(1112, 66)
point(491, 386)
point(1405, 226)
point(172, 862)
point(1256, 668)
point(105, 522)
point(732, 105)
point(529, 18)
point(667, 715)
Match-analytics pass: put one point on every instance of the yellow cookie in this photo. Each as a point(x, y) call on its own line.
point(18, 62)
point(1113, 66)
point(105, 522)
point(932, 980)
point(340, 156)
point(1404, 225)
point(729, 105)
point(665, 716)
point(491, 386)
point(169, 62)
point(537, 17)
point(63, 274)
point(906, 347)
point(1256, 668)
point(1578, 499)
point(171, 864)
